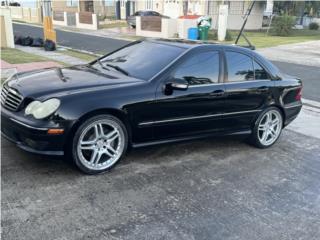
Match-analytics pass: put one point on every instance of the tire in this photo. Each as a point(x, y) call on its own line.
point(99, 143)
point(271, 128)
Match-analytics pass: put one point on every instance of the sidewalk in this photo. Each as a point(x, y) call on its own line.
point(121, 33)
point(307, 122)
point(306, 53)
point(54, 55)
point(8, 69)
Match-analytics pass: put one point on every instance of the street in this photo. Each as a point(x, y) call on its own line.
point(217, 188)
point(100, 45)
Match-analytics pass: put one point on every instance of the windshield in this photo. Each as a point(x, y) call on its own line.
point(142, 60)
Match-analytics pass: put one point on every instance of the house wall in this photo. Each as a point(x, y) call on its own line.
point(156, 6)
point(237, 9)
point(99, 7)
point(61, 5)
point(3, 42)
point(168, 29)
point(6, 31)
point(24, 14)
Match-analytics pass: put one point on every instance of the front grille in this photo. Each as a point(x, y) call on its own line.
point(10, 98)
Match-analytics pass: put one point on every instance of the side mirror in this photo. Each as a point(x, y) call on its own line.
point(175, 84)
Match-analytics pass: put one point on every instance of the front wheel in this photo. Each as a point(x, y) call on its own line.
point(99, 143)
point(267, 128)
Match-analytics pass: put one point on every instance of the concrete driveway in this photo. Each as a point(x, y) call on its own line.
point(208, 189)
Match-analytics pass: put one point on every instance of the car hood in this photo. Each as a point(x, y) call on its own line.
point(63, 81)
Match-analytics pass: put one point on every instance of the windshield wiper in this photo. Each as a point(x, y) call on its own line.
point(101, 65)
point(118, 69)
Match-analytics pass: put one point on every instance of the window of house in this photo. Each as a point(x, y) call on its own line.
point(259, 72)
point(236, 7)
point(212, 7)
point(108, 3)
point(149, 4)
point(72, 3)
point(202, 68)
point(240, 67)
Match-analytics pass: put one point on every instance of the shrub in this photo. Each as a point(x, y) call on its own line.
point(313, 26)
point(229, 36)
point(282, 26)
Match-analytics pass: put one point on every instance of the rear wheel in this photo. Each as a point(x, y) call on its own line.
point(268, 128)
point(99, 143)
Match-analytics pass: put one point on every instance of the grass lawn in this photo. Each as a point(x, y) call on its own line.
point(83, 56)
point(260, 39)
point(15, 56)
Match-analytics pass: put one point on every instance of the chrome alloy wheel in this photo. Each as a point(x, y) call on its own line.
point(101, 144)
point(269, 127)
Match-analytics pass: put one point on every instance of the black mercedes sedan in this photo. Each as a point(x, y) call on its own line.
point(148, 92)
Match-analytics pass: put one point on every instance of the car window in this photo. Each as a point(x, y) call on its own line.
point(143, 59)
point(202, 68)
point(155, 14)
point(259, 72)
point(137, 14)
point(240, 67)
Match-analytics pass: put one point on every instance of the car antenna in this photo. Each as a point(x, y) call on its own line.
point(243, 26)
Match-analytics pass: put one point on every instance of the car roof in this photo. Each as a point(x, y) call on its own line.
point(187, 44)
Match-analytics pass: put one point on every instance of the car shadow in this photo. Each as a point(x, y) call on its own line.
point(13, 157)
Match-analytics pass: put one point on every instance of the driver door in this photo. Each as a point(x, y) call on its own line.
point(195, 109)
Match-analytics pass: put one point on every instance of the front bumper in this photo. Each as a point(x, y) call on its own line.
point(29, 137)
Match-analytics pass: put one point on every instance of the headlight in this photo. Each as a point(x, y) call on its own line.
point(42, 109)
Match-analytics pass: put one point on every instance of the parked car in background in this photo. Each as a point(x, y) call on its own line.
point(131, 20)
point(148, 92)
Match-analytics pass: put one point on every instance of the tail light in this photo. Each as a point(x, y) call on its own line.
point(299, 94)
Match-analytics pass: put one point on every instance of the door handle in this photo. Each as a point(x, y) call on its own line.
point(263, 89)
point(217, 93)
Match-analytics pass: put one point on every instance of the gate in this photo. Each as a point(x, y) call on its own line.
point(71, 19)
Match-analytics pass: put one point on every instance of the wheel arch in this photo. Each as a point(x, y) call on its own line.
point(122, 116)
point(283, 113)
point(280, 108)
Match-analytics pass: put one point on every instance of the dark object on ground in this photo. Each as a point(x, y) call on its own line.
point(26, 41)
point(17, 40)
point(37, 42)
point(92, 113)
point(49, 45)
point(313, 26)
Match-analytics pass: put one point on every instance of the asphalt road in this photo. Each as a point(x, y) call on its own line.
point(310, 78)
point(309, 75)
point(72, 39)
point(209, 189)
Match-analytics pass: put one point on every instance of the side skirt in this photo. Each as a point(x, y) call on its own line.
point(207, 135)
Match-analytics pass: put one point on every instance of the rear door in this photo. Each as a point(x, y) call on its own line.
point(248, 89)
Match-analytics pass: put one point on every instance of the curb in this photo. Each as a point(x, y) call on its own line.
point(310, 103)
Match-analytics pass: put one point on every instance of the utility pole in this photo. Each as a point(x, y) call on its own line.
point(48, 31)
